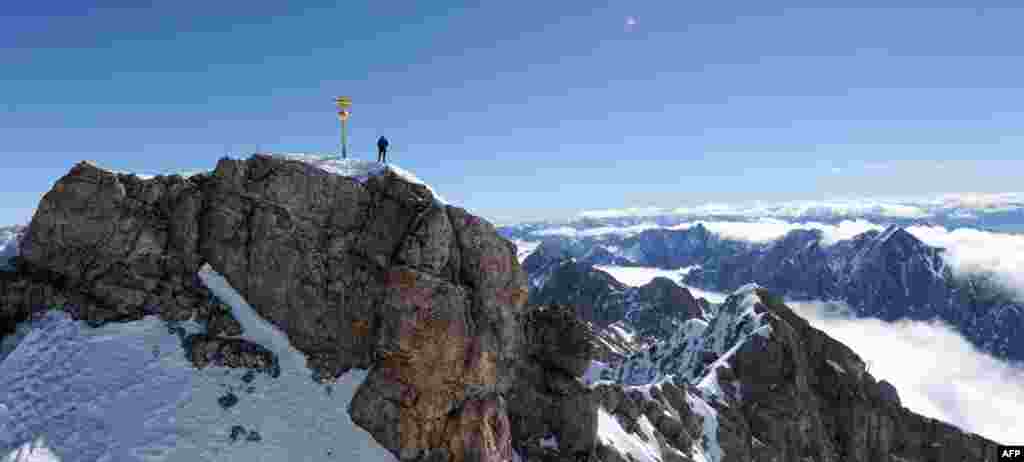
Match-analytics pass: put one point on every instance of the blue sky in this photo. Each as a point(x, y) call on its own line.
point(528, 109)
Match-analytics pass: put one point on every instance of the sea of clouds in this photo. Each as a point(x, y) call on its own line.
point(971, 250)
point(937, 372)
point(960, 204)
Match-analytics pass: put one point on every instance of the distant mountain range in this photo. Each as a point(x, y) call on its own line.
point(1002, 212)
point(888, 274)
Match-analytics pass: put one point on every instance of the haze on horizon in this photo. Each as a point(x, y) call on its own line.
point(528, 110)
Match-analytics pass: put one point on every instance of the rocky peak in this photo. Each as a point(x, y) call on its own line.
point(895, 243)
point(550, 251)
point(757, 383)
point(366, 271)
point(651, 311)
point(887, 274)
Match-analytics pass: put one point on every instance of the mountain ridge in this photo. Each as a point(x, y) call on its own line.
point(888, 274)
point(372, 272)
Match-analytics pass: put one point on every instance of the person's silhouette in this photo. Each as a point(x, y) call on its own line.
point(382, 149)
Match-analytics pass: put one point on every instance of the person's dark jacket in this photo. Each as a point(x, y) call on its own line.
point(382, 143)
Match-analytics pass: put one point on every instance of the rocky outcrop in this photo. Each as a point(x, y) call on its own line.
point(371, 274)
point(654, 310)
point(547, 398)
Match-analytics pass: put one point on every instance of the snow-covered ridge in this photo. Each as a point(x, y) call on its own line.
point(735, 322)
point(681, 358)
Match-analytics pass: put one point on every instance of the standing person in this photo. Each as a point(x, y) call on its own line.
point(382, 149)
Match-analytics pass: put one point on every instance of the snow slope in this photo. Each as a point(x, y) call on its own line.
point(125, 392)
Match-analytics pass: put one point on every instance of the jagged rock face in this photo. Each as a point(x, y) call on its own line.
point(821, 381)
point(595, 295)
point(368, 275)
point(548, 253)
point(666, 305)
point(783, 390)
point(614, 343)
point(654, 310)
point(547, 398)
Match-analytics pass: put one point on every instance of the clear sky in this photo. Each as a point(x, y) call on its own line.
point(528, 109)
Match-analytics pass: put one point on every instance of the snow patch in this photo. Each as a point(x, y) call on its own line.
point(32, 451)
point(525, 248)
point(611, 433)
point(836, 366)
point(621, 331)
point(127, 392)
point(708, 447)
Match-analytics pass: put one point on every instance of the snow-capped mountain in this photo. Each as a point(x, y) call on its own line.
point(305, 308)
point(888, 275)
point(750, 382)
point(768, 386)
point(884, 273)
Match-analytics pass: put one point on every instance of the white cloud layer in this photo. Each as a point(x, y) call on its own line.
point(769, 230)
point(965, 204)
point(567, 231)
point(765, 230)
point(971, 250)
point(937, 372)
